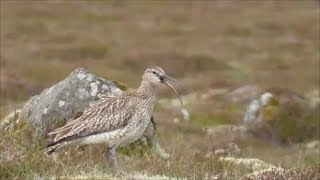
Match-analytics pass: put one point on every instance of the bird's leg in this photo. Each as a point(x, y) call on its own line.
point(108, 160)
point(149, 134)
point(113, 153)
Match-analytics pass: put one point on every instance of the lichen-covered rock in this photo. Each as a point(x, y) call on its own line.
point(311, 172)
point(248, 163)
point(286, 117)
point(59, 103)
point(255, 112)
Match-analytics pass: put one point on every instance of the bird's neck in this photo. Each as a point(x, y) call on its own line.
point(147, 90)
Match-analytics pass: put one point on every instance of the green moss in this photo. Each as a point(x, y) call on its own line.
point(294, 123)
point(121, 85)
point(20, 125)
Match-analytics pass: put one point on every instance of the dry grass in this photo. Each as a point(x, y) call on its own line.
point(204, 44)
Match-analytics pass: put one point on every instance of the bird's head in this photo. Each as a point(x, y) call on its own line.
point(156, 75)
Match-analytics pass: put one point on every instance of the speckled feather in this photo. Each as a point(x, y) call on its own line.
point(107, 114)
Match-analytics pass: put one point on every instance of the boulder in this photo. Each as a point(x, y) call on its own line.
point(66, 99)
point(283, 116)
point(252, 164)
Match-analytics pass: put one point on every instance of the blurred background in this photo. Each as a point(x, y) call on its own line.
point(225, 53)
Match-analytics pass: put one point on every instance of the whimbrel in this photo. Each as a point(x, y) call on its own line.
point(114, 120)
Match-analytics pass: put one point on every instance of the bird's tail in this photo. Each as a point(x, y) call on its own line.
point(51, 148)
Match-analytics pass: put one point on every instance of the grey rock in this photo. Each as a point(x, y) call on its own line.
point(250, 163)
point(62, 101)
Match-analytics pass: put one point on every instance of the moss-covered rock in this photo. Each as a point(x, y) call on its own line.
point(291, 122)
point(287, 118)
point(247, 163)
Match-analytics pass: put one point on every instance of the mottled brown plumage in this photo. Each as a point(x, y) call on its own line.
point(114, 120)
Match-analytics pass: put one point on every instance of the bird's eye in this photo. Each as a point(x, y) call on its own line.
point(153, 72)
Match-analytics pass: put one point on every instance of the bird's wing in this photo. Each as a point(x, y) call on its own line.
point(105, 115)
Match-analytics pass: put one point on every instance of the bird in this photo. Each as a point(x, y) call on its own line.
point(114, 120)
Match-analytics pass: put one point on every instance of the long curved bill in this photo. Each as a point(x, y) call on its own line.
point(170, 86)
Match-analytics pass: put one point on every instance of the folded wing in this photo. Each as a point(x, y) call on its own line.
point(105, 115)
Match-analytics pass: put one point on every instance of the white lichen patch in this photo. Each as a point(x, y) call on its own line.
point(94, 89)
point(61, 103)
point(81, 76)
point(105, 87)
point(49, 90)
point(116, 91)
point(250, 163)
point(82, 93)
point(89, 77)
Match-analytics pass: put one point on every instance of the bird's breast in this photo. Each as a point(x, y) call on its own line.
point(136, 128)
